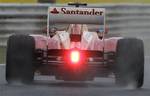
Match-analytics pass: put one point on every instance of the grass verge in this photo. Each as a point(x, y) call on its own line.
point(2, 55)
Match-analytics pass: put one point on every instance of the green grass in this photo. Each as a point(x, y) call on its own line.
point(106, 1)
point(2, 55)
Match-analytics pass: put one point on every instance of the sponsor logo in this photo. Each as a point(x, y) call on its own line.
point(77, 11)
point(55, 11)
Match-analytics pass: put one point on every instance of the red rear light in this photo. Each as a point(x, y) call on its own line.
point(75, 56)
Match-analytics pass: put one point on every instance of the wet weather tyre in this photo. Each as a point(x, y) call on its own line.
point(20, 59)
point(130, 62)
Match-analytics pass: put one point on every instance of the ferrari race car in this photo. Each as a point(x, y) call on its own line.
point(75, 53)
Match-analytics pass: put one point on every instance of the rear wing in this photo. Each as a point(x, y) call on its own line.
point(76, 15)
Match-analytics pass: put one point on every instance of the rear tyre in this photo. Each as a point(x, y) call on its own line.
point(130, 62)
point(20, 59)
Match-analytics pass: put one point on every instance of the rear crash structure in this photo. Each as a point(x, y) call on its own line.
point(75, 54)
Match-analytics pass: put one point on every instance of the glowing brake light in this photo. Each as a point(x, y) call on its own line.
point(75, 56)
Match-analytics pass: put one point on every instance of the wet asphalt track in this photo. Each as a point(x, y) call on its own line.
point(47, 86)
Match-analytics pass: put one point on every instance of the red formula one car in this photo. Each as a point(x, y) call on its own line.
point(76, 53)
